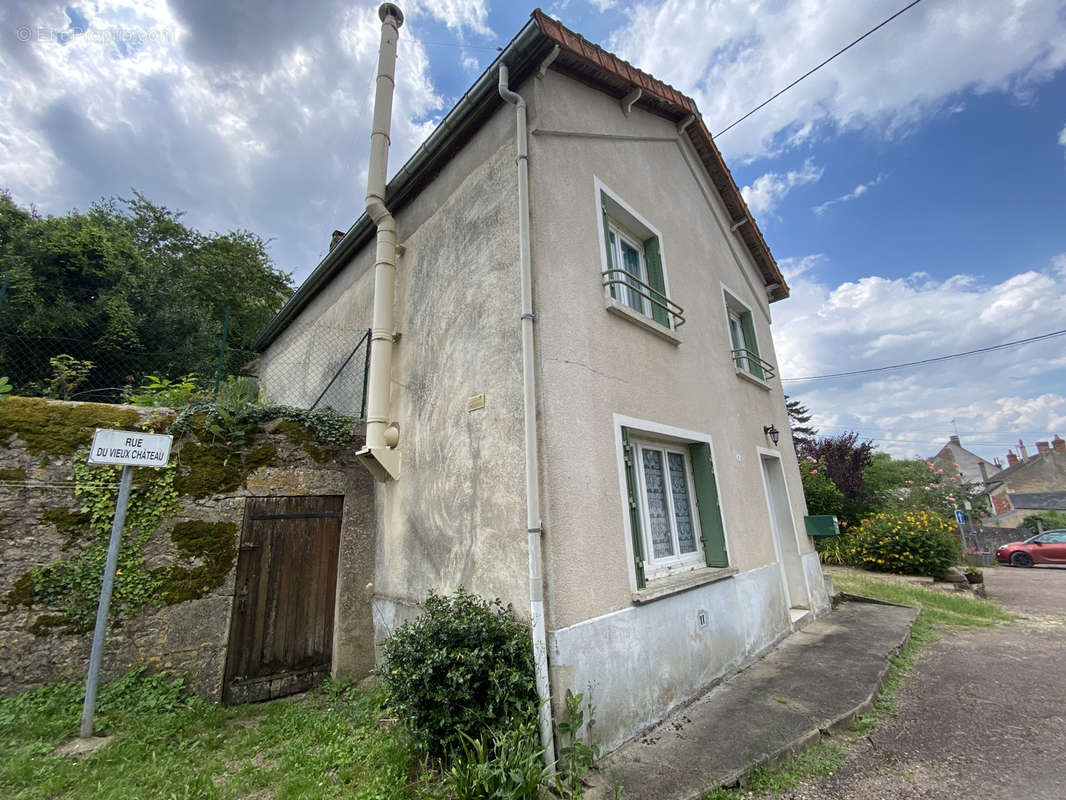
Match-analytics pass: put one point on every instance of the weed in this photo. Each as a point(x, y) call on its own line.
point(579, 753)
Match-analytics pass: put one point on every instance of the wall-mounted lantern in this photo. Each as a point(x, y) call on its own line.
point(772, 432)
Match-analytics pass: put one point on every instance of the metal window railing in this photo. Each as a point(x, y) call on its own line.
point(619, 277)
point(750, 362)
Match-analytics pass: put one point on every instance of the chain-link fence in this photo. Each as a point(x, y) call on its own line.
point(317, 366)
point(309, 367)
point(67, 368)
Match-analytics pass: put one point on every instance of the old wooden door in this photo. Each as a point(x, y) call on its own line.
point(281, 633)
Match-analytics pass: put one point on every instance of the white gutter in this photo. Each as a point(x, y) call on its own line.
point(380, 455)
point(529, 404)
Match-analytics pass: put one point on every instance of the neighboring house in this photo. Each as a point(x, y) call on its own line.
point(673, 526)
point(1029, 484)
point(955, 459)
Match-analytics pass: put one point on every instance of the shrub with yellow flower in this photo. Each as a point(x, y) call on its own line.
point(912, 542)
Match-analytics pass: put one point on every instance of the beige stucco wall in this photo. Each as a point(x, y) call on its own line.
point(593, 365)
point(456, 516)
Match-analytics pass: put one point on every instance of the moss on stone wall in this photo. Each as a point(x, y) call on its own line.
point(214, 545)
point(209, 469)
point(21, 592)
point(68, 521)
point(45, 624)
point(58, 429)
point(300, 435)
point(18, 474)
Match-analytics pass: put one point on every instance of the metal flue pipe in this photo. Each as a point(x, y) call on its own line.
point(380, 455)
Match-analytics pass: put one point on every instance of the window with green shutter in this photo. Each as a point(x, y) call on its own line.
point(633, 261)
point(674, 512)
point(743, 341)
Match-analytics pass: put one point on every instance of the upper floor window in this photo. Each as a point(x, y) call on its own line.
point(633, 271)
point(743, 341)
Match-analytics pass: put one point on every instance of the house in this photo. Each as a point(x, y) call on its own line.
point(955, 459)
point(578, 407)
point(1029, 484)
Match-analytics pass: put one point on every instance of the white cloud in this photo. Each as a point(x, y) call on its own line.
point(1062, 136)
point(767, 191)
point(996, 397)
point(458, 15)
point(603, 5)
point(738, 53)
point(854, 194)
point(231, 143)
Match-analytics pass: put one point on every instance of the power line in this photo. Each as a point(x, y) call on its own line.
point(812, 71)
point(929, 360)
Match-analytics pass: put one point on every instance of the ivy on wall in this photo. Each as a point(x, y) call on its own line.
point(73, 584)
point(220, 447)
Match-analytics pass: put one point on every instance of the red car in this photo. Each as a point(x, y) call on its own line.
point(1048, 547)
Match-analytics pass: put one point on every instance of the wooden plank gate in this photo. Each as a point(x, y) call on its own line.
point(281, 631)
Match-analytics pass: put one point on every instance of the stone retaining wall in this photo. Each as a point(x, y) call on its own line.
point(189, 636)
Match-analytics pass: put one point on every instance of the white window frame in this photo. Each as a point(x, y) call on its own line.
point(623, 218)
point(620, 236)
point(667, 565)
point(735, 309)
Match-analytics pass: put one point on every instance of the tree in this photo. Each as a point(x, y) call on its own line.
point(844, 459)
point(890, 485)
point(798, 417)
point(129, 287)
point(1050, 519)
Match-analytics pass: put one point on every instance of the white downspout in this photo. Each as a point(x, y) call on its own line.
point(379, 455)
point(529, 404)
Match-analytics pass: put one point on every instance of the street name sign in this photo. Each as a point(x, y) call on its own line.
point(130, 448)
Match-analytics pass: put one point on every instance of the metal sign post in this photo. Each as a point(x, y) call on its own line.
point(960, 517)
point(130, 449)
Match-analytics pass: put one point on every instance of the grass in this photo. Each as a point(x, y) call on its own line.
point(939, 611)
point(333, 743)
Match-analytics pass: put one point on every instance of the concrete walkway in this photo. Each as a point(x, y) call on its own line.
point(817, 679)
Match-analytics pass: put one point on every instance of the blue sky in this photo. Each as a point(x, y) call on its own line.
point(913, 190)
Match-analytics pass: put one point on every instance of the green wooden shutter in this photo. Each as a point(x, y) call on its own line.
point(711, 529)
point(654, 261)
point(634, 508)
point(748, 325)
point(610, 255)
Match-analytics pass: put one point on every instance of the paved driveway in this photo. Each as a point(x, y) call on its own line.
point(983, 715)
point(1037, 590)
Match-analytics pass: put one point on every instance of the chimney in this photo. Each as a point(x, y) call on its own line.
point(1011, 459)
point(335, 239)
point(1043, 448)
point(981, 465)
point(1058, 445)
point(1021, 448)
point(380, 455)
point(954, 439)
point(997, 462)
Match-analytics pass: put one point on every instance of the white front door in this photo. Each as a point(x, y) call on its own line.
point(784, 529)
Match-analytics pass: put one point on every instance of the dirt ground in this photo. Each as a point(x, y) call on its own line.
point(982, 716)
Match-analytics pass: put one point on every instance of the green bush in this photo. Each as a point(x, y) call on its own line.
point(915, 542)
point(463, 668)
point(822, 495)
